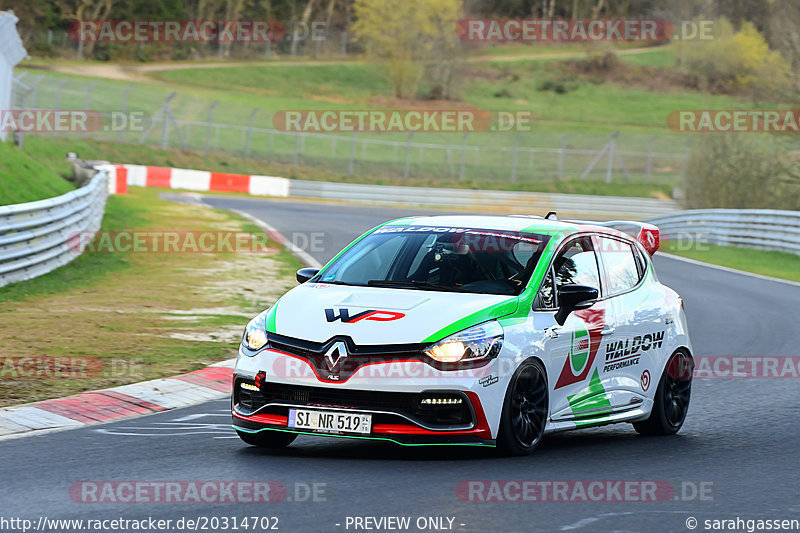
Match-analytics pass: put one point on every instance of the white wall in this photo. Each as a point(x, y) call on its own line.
point(11, 53)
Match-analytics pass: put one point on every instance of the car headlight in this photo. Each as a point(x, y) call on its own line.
point(481, 342)
point(255, 334)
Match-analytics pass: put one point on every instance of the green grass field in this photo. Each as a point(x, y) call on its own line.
point(580, 116)
point(24, 178)
point(774, 264)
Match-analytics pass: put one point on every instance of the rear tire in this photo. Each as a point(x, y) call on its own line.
point(267, 438)
point(671, 402)
point(525, 410)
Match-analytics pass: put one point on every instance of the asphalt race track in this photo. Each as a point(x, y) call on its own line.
point(737, 455)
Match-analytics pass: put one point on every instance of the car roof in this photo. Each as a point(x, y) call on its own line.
point(531, 224)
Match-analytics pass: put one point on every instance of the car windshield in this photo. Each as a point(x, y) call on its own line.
point(440, 259)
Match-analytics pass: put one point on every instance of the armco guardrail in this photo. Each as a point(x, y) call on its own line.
point(530, 202)
point(764, 229)
point(516, 201)
point(37, 237)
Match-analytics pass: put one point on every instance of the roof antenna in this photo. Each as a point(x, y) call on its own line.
point(551, 215)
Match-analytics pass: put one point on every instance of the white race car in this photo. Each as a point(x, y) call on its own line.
point(469, 330)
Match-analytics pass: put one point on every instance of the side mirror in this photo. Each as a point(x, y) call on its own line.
point(305, 274)
point(572, 298)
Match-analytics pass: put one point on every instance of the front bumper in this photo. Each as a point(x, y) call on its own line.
point(401, 402)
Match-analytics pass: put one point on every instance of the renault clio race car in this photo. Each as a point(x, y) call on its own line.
point(470, 330)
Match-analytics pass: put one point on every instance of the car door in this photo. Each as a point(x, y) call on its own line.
point(573, 348)
point(632, 349)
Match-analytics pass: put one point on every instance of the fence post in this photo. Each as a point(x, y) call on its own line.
point(649, 166)
point(561, 154)
point(612, 147)
point(514, 159)
point(124, 108)
point(250, 132)
point(351, 163)
point(296, 148)
point(408, 156)
point(58, 92)
point(210, 121)
point(293, 47)
point(608, 150)
point(165, 126)
point(463, 156)
point(344, 43)
point(34, 90)
point(88, 100)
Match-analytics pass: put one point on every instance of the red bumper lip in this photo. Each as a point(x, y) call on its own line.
point(481, 430)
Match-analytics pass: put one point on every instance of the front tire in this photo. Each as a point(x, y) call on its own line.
point(525, 410)
point(268, 439)
point(671, 402)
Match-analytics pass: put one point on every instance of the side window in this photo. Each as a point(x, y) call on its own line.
point(577, 265)
point(620, 262)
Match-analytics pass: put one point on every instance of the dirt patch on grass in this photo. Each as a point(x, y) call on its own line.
point(134, 319)
point(608, 68)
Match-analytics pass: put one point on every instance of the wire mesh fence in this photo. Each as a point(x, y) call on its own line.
point(154, 115)
point(300, 40)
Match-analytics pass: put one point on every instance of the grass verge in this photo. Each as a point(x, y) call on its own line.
point(135, 316)
point(774, 264)
point(26, 179)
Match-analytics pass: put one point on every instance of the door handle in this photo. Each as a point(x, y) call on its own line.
point(608, 330)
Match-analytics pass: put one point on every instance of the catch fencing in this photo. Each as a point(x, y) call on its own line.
point(505, 159)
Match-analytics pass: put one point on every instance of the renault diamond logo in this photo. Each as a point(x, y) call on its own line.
point(335, 353)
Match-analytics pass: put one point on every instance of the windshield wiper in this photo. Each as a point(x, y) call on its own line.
point(412, 284)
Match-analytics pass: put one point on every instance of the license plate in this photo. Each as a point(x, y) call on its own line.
point(336, 422)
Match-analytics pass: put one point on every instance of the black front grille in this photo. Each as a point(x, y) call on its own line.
point(408, 404)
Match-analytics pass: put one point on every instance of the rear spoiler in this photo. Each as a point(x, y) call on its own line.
point(648, 235)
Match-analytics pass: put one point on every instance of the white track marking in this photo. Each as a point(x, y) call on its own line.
point(296, 250)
